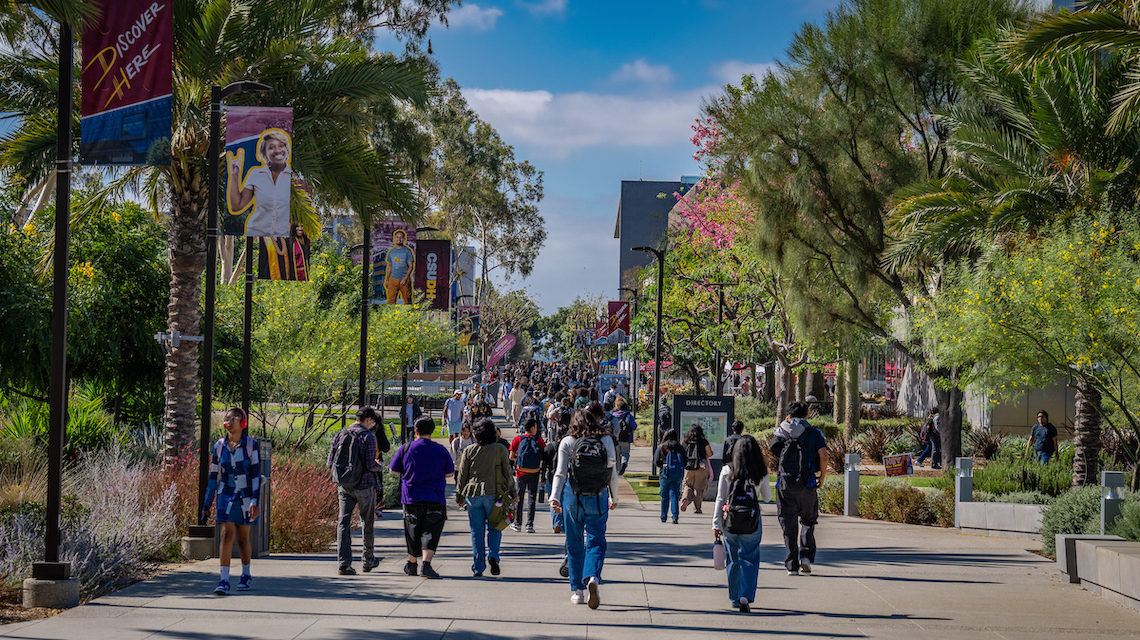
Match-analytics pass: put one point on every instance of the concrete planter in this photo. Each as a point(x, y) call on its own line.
point(1001, 519)
point(1110, 568)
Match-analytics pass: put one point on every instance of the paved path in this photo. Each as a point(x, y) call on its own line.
point(872, 580)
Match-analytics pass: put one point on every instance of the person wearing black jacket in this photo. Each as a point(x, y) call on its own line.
point(671, 474)
point(737, 432)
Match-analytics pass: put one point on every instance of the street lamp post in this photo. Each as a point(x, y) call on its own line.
point(217, 94)
point(660, 255)
point(636, 364)
point(720, 319)
point(455, 351)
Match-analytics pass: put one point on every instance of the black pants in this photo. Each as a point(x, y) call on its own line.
point(423, 525)
point(528, 495)
point(798, 513)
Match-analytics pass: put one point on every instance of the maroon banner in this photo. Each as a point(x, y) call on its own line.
point(618, 332)
point(433, 272)
point(127, 84)
point(502, 348)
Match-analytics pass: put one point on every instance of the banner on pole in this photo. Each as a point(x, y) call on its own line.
point(502, 348)
point(618, 332)
point(433, 272)
point(274, 263)
point(467, 324)
point(127, 81)
point(393, 261)
point(259, 174)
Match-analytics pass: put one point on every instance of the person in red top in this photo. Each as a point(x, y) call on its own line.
point(526, 453)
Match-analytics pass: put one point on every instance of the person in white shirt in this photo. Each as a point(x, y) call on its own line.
point(741, 549)
point(586, 502)
point(269, 184)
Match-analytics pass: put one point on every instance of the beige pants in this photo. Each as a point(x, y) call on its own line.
point(694, 486)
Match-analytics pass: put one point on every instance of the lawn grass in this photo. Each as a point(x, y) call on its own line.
point(652, 494)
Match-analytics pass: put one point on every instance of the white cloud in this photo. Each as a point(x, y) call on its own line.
point(733, 70)
point(474, 16)
point(545, 6)
point(559, 124)
point(640, 70)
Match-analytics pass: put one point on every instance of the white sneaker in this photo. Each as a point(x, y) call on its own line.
point(592, 586)
point(793, 573)
point(516, 527)
point(805, 566)
point(578, 597)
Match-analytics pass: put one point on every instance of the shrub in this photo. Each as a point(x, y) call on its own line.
point(304, 510)
point(1001, 477)
point(986, 443)
point(1128, 526)
point(876, 441)
point(831, 495)
point(895, 500)
point(1071, 512)
point(1024, 497)
point(982, 496)
point(942, 505)
point(837, 450)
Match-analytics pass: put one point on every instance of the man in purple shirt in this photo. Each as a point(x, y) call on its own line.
point(363, 496)
point(423, 467)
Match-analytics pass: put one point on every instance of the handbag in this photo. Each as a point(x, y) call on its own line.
point(498, 516)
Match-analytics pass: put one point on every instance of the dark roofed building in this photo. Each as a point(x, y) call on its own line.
point(642, 220)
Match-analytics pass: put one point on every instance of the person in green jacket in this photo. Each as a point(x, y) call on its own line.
point(484, 469)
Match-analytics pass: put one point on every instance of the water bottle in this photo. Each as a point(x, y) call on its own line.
point(718, 555)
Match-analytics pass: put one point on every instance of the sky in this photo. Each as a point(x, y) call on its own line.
point(595, 92)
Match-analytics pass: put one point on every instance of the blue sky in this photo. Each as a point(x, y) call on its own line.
point(594, 93)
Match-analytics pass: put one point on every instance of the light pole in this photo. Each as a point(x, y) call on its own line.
point(660, 255)
point(455, 351)
point(720, 319)
point(217, 94)
point(636, 365)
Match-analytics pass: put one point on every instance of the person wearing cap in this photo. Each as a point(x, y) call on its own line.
point(453, 415)
point(362, 497)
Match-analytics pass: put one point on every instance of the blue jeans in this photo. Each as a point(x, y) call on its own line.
point(742, 559)
point(589, 514)
point(1043, 457)
point(478, 510)
point(556, 519)
point(670, 496)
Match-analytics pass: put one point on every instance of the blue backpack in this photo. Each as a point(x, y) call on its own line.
point(529, 456)
point(674, 465)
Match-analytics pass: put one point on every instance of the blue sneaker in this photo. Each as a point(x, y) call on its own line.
point(223, 588)
point(245, 582)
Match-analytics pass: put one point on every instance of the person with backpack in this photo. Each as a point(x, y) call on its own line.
point(423, 467)
point(526, 452)
point(530, 411)
point(698, 469)
point(736, 520)
point(356, 472)
point(560, 430)
point(731, 440)
point(801, 456)
point(671, 459)
point(235, 480)
point(624, 426)
point(484, 476)
point(664, 418)
point(585, 489)
point(930, 437)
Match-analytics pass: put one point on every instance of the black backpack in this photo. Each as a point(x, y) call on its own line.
point(792, 469)
point(623, 428)
point(589, 466)
point(529, 455)
point(742, 512)
point(347, 468)
point(525, 416)
point(694, 452)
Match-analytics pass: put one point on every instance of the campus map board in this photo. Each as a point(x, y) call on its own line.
point(714, 415)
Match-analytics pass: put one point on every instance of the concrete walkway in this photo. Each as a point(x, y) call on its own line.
point(872, 580)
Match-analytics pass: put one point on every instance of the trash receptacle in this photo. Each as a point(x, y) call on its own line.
point(259, 532)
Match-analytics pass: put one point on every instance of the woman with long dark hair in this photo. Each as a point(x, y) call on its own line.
point(585, 489)
point(671, 459)
point(742, 481)
point(697, 471)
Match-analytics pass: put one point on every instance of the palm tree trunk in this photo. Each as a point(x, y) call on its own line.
point(186, 251)
point(1086, 436)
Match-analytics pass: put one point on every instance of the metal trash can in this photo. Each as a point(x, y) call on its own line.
point(259, 532)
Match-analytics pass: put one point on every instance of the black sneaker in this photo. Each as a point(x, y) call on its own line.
point(674, 521)
point(347, 571)
point(494, 566)
point(369, 566)
point(564, 570)
point(427, 572)
point(410, 569)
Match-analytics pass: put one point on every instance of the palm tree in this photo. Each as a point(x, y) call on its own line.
point(340, 92)
point(1033, 149)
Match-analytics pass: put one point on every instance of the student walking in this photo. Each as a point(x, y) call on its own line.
point(356, 469)
point(235, 479)
point(671, 459)
point(737, 518)
point(585, 489)
point(526, 453)
point(801, 454)
point(697, 467)
point(423, 467)
point(484, 473)
point(624, 427)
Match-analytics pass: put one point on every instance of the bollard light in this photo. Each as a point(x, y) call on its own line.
point(1111, 498)
point(963, 485)
point(851, 484)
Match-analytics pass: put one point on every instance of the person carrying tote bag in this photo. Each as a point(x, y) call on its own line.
point(483, 483)
point(743, 483)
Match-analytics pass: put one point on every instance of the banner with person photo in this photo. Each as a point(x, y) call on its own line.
point(258, 171)
point(393, 262)
point(127, 80)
